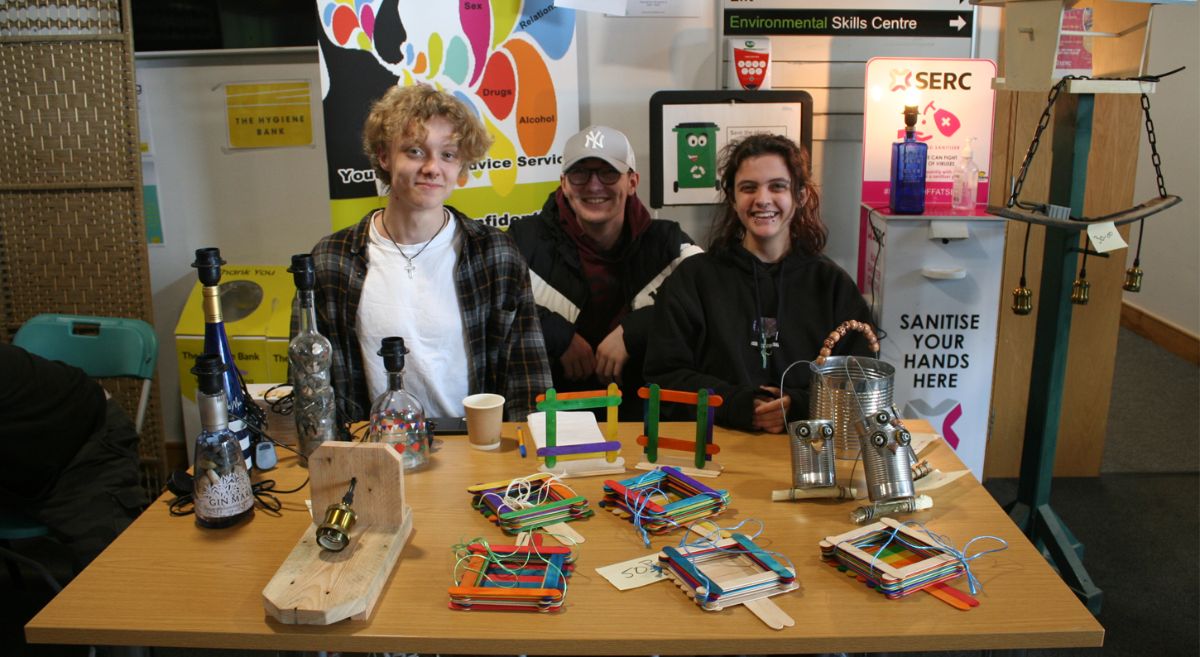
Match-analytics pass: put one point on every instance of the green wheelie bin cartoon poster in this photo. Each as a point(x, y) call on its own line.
point(696, 155)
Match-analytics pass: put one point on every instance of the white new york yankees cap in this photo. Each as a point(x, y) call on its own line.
point(603, 142)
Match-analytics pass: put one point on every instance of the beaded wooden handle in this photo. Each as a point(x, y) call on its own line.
point(839, 332)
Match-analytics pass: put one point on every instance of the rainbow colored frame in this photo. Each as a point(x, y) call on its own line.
point(895, 574)
point(561, 505)
point(513, 578)
point(695, 501)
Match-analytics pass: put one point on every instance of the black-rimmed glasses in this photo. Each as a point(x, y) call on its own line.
point(607, 176)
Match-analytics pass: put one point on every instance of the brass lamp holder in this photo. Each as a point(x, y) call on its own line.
point(334, 533)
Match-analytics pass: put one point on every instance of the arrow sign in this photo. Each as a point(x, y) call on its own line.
point(846, 23)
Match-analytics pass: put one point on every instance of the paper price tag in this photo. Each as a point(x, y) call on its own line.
point(1104, 237)
point(632, 574)
point(936, 479)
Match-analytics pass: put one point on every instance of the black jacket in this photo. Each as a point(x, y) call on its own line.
point(705, 334)
point(560, 290)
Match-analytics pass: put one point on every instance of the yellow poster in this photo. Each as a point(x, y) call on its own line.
point(268, 114)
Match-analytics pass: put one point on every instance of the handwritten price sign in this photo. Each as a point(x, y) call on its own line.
point(634, 573)
point(1105, 238)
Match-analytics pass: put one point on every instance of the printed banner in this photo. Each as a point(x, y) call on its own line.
point(268, 114)
point(955, 100)
point(513, 62)
point(934, 278)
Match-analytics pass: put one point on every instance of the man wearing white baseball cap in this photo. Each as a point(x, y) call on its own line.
point(596, 259)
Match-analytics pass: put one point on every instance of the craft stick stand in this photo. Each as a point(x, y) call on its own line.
point(315, 586)
point(580, 460)
point(701, 449)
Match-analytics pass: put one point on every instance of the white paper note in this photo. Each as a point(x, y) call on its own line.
point(637, 572)
point(1104, 237)
point(571, 428)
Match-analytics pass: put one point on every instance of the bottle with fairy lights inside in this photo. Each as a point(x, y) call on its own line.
point(208, 267)
point(310, 355)
point(907, 192)
point(397, 418)
point(222, 495)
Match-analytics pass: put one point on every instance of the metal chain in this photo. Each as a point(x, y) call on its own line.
point(1044, 121)
point(1158, 176)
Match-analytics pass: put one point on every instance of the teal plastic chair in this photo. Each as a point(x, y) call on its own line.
point(104, 347)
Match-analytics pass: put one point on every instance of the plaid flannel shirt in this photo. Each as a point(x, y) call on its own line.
point(505, 350)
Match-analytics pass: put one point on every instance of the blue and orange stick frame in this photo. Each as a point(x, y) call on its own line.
point(510, 577)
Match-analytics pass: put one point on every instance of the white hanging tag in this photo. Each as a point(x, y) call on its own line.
point(1104, 237)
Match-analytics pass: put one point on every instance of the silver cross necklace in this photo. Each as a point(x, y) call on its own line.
point(411, 267)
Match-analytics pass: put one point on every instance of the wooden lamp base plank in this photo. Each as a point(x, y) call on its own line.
point(315, 586)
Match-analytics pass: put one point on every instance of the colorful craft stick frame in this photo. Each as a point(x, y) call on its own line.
point(702, 446)
point(896, 573)
point(730, 572)
point(561, 503)
point(552, 402)
point(696, 500)
point(511, 577)
point(687, 560)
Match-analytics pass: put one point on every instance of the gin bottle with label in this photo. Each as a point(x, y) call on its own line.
point(907, 195)
point(397, 418)
point(222, 495)
point(310, 354)
point(208, 267)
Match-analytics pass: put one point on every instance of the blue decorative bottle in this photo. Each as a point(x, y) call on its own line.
point(907, 194)
point(208, 266)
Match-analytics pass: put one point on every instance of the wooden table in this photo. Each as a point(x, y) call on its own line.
point(166, 582)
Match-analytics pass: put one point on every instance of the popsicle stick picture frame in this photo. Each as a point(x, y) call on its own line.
point(733, 571)
point(913, 565)
point(639, 500)
point(545, 504)
point(512, 578)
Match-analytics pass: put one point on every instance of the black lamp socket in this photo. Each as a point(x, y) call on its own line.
point(208, 265)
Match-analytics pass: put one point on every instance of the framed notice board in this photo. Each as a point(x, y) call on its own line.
point(688, 129)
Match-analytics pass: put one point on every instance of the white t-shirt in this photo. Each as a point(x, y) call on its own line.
point(424, 310)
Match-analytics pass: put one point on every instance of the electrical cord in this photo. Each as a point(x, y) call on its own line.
point(283, 404)
point(264, 490)
point(265, 496)
point(265, 436)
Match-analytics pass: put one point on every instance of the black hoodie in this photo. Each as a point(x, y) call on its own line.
point(705, 334)
point(566, 270)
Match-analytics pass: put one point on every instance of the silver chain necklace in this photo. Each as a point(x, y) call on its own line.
point(411, 267)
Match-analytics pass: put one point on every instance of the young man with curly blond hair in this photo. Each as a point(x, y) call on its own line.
point(456, 290)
